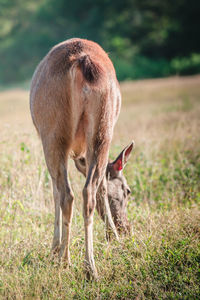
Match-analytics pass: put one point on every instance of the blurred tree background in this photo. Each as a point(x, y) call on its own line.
point(144, 38)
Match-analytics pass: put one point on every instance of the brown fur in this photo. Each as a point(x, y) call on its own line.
point(75, 102)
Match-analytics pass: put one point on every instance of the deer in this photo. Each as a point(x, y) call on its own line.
point(75, 102)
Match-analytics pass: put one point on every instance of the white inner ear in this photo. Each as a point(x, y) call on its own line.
point(127, 156)
point(123, 159)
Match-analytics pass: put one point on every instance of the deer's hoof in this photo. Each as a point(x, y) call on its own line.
point(55, 249)
point(66, 264)
point(66, 261)
point(90, 272)
point(91, 275)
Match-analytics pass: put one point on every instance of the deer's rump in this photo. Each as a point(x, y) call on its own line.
point(69, 93)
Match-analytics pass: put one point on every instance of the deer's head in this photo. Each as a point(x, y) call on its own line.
point(118, 190)
point(117, 187)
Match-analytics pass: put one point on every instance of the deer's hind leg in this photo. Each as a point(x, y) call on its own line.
point(56, 236)
point(57, 163)
point(96, 162)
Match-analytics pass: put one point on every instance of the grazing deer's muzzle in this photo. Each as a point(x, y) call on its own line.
point(118, 207)
point(121, 222)
point(124, 228)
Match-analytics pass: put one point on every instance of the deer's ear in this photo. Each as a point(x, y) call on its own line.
point(122, 159)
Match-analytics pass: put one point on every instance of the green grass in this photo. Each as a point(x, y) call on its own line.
point(161, 259)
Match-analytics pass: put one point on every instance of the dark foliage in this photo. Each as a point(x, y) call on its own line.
point(144, 38)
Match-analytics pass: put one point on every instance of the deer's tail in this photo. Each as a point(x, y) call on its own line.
point(91, 71)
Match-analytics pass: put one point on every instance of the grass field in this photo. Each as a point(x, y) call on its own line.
point(161, 259)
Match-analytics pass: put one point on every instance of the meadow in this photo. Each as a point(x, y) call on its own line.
point(161, 259)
